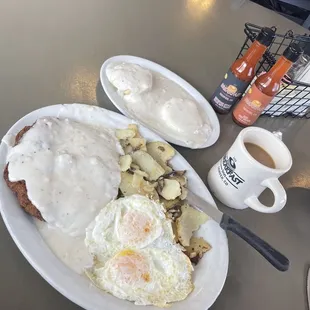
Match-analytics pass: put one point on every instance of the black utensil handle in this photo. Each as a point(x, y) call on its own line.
point(278, 260)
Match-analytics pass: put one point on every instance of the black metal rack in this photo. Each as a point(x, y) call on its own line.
point(294, 99)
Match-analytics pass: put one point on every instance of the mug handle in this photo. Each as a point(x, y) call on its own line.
point(279, 197)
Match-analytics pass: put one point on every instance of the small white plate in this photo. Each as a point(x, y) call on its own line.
point(209, 275)
point(118, 101)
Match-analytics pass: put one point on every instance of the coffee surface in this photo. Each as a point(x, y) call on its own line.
point(259, 154)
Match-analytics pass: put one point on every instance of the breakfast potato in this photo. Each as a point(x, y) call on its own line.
point(184, 192)
point(169, 189)
point(126, 186)
point(132, 184)
point(182, 179)
point(125, 162)
point(162, 153)
point(160, 150)
point(188, 222)
point(142, 173)
point(169, 203)
point(123, 134)
point(148, 164)
point(196, 249)
point(146, 171)
point(137, 144)
point(137, 180)
point(136, 169)
point(128, 149)
point(174, 213)
point(135, 128)
point(150, 186)
point(198, 245)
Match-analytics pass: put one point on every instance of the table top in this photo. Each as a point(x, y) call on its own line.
point(51, 52)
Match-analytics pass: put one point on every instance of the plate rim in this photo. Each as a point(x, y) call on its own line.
point(31, 257)
point(191, 90)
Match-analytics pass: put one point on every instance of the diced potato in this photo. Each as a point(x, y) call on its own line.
point(170, 190)
point(184, 191)
point(137, 180)
point(196, 249)
point(168, 204)
point(182, 179)
point(134, 167)
point(198, 245)
point(123, 134)
point(138, 144)
point(188, 222)
point(166, 167)
point(161, 152)
point(125, 162)
point(142, 173)
point(136, 130)
point(128, 149)
point(161, 183)
point(149, 187)
point(123, 143)
point(148, 164)
point(174, 213)
point(127, 186)
point(179, 172)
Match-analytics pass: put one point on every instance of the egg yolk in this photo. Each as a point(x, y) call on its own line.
point(131, 267)
point(135, 228)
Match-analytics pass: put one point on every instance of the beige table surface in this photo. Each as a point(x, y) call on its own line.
point(51, 52)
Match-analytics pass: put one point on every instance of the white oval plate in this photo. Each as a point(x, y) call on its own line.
point(209, 275)
point(118, 101)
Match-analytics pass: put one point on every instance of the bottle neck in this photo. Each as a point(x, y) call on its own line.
point(280, 68)
point(254, 53)
point(244, 67)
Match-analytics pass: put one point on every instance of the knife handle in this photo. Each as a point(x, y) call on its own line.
point(278, 260)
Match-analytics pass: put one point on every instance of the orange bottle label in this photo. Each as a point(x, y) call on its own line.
point(251, 106)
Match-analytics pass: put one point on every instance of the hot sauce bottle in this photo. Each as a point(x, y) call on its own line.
point(240, 74)
point(265, 88)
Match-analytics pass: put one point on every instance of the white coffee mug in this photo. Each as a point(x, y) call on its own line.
point(238, 179)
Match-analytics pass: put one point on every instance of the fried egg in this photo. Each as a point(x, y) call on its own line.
point(135, 254)
point(132, 222)
point(149, 276)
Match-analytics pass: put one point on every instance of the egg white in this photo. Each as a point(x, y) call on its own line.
point(149, 276)
point(132, 222)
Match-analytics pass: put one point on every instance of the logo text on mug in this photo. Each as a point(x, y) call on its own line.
point(227, 172)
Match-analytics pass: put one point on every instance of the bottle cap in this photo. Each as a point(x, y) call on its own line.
point(265, 36)
point(304, 43)
point(292, 52)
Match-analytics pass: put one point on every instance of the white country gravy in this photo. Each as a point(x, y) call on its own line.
point(160, 103)
point(71, 171)
point(70, 250)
